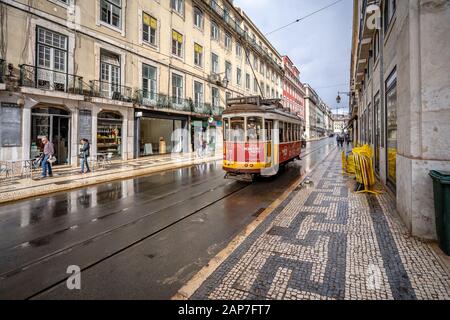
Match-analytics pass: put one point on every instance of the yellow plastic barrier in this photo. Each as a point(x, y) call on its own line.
point(364, 171)
point(348, 164)
point(344, 162)
point(351, 164)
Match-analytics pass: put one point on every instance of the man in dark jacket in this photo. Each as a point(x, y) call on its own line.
point(85, 153)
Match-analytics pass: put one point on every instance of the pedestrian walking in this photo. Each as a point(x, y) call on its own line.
point(304, 139)
point(84, 155)
point(49, 151)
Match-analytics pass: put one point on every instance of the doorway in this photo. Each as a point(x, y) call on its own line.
point(53, 123)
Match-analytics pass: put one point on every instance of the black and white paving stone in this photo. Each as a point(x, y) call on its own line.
point(327, 242)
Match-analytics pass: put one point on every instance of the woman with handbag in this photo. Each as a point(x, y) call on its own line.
point(84, 155)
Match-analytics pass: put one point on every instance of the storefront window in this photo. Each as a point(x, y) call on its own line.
point(391, 119)
point(109, 134)
point(160, 136)
point(53, 123)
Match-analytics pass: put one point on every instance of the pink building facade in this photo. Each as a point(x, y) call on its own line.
point(293, 90)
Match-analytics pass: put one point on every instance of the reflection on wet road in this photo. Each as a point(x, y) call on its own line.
point(137, 238)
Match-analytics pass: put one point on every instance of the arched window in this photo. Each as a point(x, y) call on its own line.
point(198, 18)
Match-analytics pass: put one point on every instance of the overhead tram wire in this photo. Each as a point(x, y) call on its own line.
point(303, 18)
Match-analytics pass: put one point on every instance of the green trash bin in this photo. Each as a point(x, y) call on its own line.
point(441, 188)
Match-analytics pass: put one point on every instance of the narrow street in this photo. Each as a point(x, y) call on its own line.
point(224, 158)
point(141, 238)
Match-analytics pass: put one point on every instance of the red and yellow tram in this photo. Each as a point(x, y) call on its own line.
point(259, 137)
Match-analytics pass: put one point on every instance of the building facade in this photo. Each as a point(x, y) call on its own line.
point(400, 98)
point(312, 102)
point(329, 121)
point(136, 78)
point(318, 116)
point(293, 91)
point(340, 123)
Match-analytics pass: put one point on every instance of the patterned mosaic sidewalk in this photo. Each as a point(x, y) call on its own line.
point(327, 242)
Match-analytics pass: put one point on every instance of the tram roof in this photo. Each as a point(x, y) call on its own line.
point(257, 104)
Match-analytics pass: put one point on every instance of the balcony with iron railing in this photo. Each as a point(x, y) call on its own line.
point(201, 108)
point(162, 101)
point(52, 80)
point(217, 111)
point(110, 90)
point(224, 15)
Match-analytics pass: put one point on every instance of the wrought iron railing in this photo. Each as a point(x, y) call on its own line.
point(110, 90)
point(217, 111)
point(201, 108)
point(2, 69)
point(47, 79)
point(161, 101)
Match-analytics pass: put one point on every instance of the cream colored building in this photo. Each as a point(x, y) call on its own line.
point(400, 101)
point(136, 78)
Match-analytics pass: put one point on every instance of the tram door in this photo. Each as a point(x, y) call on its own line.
point(269, 140)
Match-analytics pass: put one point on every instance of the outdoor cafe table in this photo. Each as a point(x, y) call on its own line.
point(26, 168)
point(98, 159)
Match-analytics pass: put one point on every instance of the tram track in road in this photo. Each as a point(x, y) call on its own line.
point(58, 256)
point(99, 268)
point(138, 241)
point(120, 210)
point(114, 229)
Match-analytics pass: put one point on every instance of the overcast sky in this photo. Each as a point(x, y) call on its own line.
point(320, 46)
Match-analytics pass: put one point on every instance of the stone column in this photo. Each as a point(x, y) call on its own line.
point(130, 134)
point(423, 110)
point(74, 143)
point(95, 111)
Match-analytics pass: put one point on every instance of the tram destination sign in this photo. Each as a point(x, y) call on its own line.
point(244, 100)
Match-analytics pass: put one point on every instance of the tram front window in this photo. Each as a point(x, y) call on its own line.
point(254, 129)
point(237, 130)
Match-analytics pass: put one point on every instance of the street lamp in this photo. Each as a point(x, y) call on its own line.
point(339, 99)
point(225, 81)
